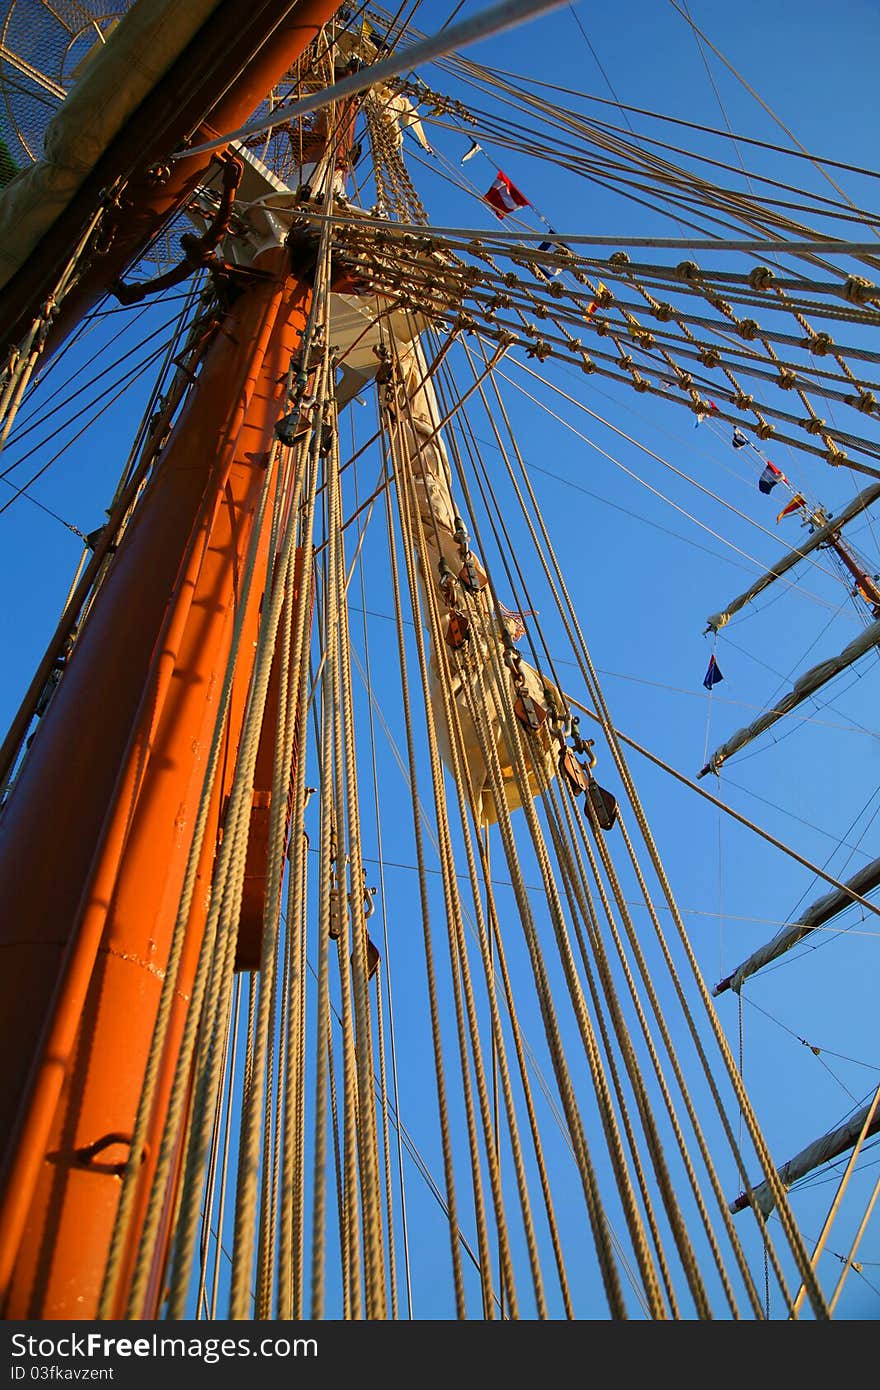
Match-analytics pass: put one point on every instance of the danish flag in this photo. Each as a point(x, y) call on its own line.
point(505, 197)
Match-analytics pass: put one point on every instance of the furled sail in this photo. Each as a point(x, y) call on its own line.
point(418, 447)
point(147, 40)
point(816, 915)
point(837, 1141)
point(403, 114)
point(819, 537)
point(806, 685)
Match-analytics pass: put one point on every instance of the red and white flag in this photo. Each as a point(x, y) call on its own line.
point(504, 196)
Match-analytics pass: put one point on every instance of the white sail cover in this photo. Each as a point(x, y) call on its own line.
point(139, 51)
point(819, 912)
point(819, 537)
point(418, 447)
point(403, 114)
point(806, 685)
point(837, 1141)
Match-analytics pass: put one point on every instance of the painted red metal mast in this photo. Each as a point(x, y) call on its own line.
point(95, 836)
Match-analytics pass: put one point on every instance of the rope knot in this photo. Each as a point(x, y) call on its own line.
point(866, 401)
point(761, 277)
point(857, 290)
point(819, 343)
point(688, 270)
point(748, 329)
point(813, 425)
point(540, 349)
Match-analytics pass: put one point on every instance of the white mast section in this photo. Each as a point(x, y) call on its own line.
point(418, 448)
point(803, 688)
point(819, 537)
point(816, 915)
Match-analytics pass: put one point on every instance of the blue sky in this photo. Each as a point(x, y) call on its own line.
point(643, 593)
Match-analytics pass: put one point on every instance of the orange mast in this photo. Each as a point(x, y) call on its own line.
point(95, 837)
point(241, 52)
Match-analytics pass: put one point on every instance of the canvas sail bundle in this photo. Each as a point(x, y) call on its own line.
point(865, 499)
point(816, 915)
point(837, 1141)
point(807, 685)
point(147, 41)
point(417, 446)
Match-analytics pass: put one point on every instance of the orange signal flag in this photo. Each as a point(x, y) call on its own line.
point(601, 292)
point(794, 505)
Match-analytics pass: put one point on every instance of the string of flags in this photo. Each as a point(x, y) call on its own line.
point(767, 481)
point(504, 197)
point(770, 475)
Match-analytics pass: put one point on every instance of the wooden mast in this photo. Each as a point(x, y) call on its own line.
point(95, 837)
